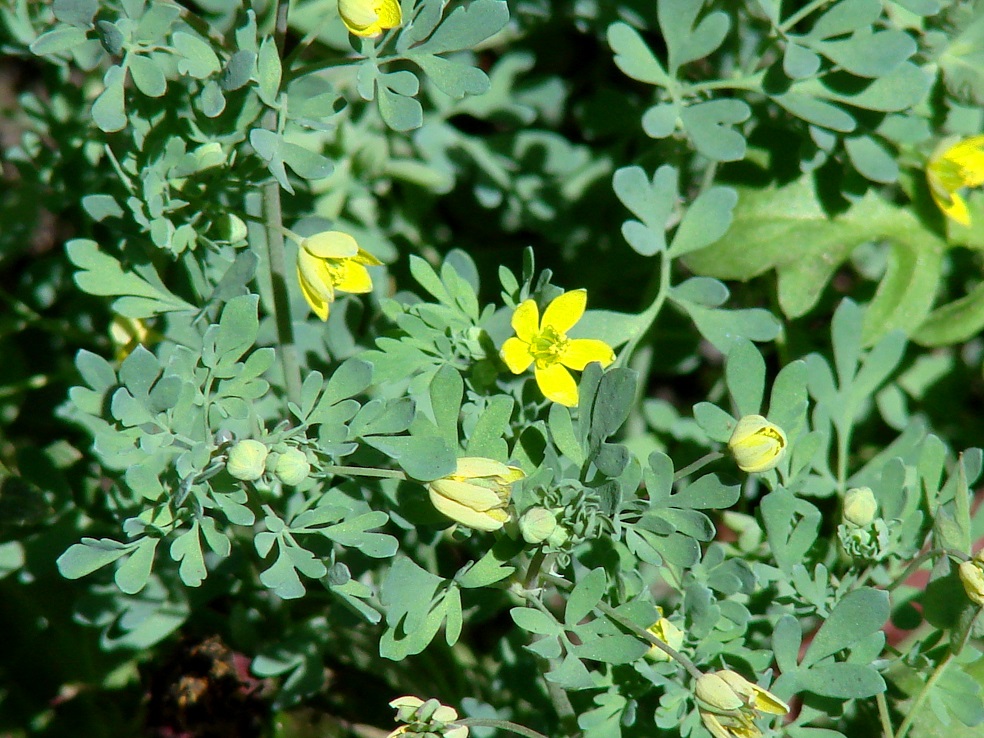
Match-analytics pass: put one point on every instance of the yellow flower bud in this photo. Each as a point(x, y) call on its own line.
point(860, 506)
point(753, 695)
point(292, 467)
point(728, 704)
point(477, 493)
point(537, 525)
point(716, 693)
point(247, 460)
point(370, 17)
point(972, 578)
point(667, 632)
point(757, 444)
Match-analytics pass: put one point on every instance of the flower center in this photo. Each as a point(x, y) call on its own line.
point(336, 270)
point(548, 346)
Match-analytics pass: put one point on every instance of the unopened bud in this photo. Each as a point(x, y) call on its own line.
point(537, 524)
point(292, 467)
point(247, 460)
point(860, 506)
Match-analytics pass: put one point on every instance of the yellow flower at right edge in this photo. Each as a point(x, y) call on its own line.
point(370, 17)
point(331, 261)
point(950, 170)
point(545, 345)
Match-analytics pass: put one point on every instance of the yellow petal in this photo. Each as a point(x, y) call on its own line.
point(526, 321)
point(330, 245)
point(517, 355)
point(352, 277)
point(714, 725)
point(472, 496)
point(465, 515)
point(557, 384)
point(317, 298)
point(564, 311)
point(470, 467)
point(390, 14)
point(582, 351)
point(358, 15)
point(952, 205)
point(364, 257)
point(969, 156)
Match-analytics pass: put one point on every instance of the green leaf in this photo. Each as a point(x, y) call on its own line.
point(103, 275)
point(452, 78)
point(535, 621)
point(791, 526)
point(132, 576)
point(616, 649)
point(562, 434)
point(187, 549)
point(197, 58)
point(844, 17)
point(724, 327)
point(585, 596)
point(466, 26)
point(634, 57)
point(446, 388)
point(859, 614)
point(686, 41)
point(745, 375)
point(108, 111)
point(870, 54)
point(268, 71)
point(422, 457)
point(75, 12)
point(709, 127)
point(871, 159)
point(706, 220)
point(147, 76)
point(84, 558)
point(842, 681)
point(954, 322)
point(58, 40)
point(486, 438)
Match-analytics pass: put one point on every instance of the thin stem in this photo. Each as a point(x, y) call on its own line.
point(359, 471)
point(699, 464)
point(923, 694)
point(917, 562)
point(749, 82)
point(650, 314)
point(886, 719)
point(534, 568)
point(501, 725)
point(801, 14)
point(647, 636)
point(276, 254)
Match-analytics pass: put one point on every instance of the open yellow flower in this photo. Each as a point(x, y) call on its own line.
point(545, 345)
point(477, 493)
point(950, 170)
point(666, 631)
point(370, 17)
point(331, 261)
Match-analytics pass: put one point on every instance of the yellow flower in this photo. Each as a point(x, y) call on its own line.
point(972, 578)
point(544, 343)
point(667, 632)
point(331, 261)
point(728, 703)
point(757, 444)
point(951, 169)
point(370, 17)
point(477, 493)
point(430, 717)
point(128, 333)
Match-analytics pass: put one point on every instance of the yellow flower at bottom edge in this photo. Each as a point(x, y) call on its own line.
point(728, 703)
point(950, 170)
point(370, 17)
point(545, 345)
point(331, 261)
point(477, 493)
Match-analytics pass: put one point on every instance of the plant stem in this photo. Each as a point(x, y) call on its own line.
point(276, 255)
point(501, 725)
point(699, 464)
point(886, 719)
point(923, 694)
point(360, 471)
point(647, 636)
point(801, 14)
point(650, 314)
point(917, 562)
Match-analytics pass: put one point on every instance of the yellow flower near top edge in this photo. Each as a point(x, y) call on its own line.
point(953, 168)
point(477, 493)
point(370, 17)
point(331, 261)
point(544, 345)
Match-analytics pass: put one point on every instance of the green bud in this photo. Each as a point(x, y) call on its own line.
point(247, 460)
point(537, 524)
point(757, 444)
point(292, 467)
point(860, 506)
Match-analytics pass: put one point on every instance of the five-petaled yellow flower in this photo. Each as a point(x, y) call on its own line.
point(331, 261)
point(370, 17)
point(477, 493)
point(545, 345)
point(950, 170)
point(728, 704)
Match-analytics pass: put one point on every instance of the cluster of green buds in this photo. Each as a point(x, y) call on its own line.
point(757, 445)
point(563, 516)
point(248, 460)
point(972, 577)
point(729, 704)
point(864, 535)
point(428, 719)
